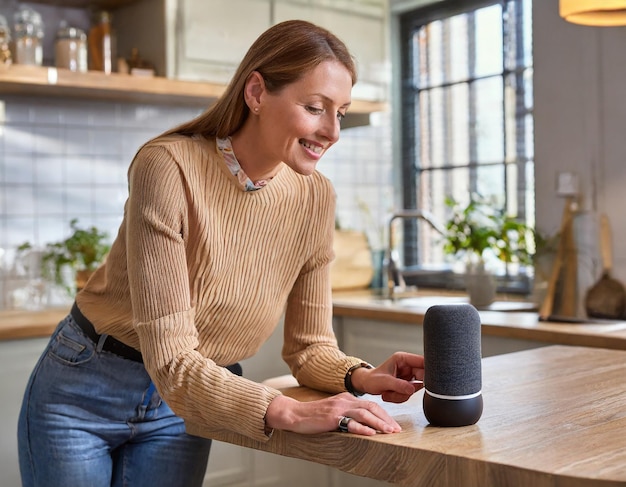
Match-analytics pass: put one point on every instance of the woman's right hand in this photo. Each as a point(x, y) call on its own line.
point(368, 417)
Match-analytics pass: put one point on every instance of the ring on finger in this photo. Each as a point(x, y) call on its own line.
point(343, 423)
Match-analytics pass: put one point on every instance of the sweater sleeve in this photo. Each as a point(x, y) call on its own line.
point(196, 389)
point(310, 347)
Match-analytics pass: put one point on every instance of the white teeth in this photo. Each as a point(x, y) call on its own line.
point(315, 148)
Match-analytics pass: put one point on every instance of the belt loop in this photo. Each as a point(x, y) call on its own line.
point(100, 344)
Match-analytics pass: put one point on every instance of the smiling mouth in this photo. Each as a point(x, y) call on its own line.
point(313, 148)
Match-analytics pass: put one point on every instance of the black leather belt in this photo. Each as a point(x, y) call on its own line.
point(110, 344)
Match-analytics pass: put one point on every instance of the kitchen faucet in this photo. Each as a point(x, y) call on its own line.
point(394, 280)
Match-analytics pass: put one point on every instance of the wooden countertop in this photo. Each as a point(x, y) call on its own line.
point(552, 416)
point(518, 324)
point(366, 305)
point(16, 324)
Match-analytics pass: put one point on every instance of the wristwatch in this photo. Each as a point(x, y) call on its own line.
point(348, 379)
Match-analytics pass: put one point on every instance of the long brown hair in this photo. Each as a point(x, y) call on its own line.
point(282, 55)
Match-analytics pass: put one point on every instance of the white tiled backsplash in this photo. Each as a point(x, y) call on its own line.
point(66, 158)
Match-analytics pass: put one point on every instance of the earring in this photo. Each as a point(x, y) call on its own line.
point(256, 109)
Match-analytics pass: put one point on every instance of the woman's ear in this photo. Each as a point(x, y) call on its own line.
point(254, 89)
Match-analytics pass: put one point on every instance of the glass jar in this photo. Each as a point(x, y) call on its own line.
point(70, 48)
point(28, 29)
point(5, 39)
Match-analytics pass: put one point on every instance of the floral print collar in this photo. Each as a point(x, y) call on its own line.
point(226, 147)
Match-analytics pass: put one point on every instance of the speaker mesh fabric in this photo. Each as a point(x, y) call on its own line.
point(452, 354)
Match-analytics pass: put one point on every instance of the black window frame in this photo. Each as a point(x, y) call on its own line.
point(409, 23)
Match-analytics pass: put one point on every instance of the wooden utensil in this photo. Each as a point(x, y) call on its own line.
point(607, 297)
point(547, 306)
point(568, 297)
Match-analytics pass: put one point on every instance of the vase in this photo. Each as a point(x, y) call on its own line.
point(480, 284)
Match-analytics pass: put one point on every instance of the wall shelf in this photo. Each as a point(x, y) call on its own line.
point(46, 81)
point(86, 4)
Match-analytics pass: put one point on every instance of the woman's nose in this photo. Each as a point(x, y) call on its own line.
point(331, 127)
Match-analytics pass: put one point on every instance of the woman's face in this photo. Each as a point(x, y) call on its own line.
point(300, 122)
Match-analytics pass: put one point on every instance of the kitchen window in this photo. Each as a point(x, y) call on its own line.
point(467, 120)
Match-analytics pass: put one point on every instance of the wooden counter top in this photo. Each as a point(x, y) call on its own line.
point(365, 304)
point(553, 416)
point(16, 324)
point(511, 324)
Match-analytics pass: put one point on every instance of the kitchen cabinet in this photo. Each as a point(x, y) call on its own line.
point(212, 38)
point(199, 40)
point(363, 29)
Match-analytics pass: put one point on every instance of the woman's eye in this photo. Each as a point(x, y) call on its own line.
point(340, 116)
point(314, 110)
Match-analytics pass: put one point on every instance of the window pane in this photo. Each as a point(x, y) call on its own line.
point(458, 46)
point(423, 129)
point(433, 189)
point(433, 75)
point(518, 29)
point(418, 51)
point(528, 89)
point(528, 199)
point(488, 41)
point(438, 121)
point(519, 121)
point(490, 184)
point(489, 120)
point(529, 143)
point(512, 186)
point(459, 125)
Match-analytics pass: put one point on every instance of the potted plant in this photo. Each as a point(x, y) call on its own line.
point(81, 253)
point(478, 231)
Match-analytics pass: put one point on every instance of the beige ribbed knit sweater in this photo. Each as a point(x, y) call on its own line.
point(201, 273)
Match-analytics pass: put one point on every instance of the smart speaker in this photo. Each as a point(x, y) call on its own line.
point(452, 365)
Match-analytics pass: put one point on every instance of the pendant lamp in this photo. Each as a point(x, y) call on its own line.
point(594, 12)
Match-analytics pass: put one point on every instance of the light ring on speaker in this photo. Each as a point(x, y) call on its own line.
point(453, 398)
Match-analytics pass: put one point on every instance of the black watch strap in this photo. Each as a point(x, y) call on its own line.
point(348, 378)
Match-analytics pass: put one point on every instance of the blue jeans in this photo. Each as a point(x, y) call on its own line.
point(90, 418)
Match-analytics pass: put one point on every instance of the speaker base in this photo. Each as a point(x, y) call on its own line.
point(452, 412)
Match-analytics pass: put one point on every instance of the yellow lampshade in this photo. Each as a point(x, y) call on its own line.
point(594, 12)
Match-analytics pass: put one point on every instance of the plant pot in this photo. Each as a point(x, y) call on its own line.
point(481, 286)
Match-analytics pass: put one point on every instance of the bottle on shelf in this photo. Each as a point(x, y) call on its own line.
point(101, 41)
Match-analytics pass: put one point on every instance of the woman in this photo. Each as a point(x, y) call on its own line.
point(227, 228)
